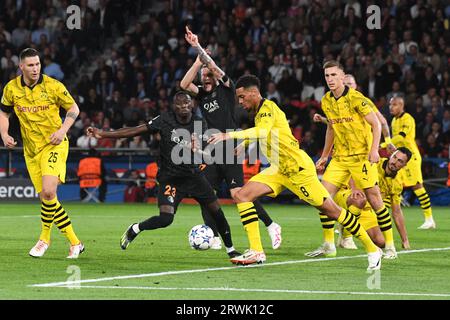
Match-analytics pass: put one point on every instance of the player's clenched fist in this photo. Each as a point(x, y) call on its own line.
point(94, 132)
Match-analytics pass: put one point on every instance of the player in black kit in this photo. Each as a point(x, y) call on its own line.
point(216, 100)
point(178, 178)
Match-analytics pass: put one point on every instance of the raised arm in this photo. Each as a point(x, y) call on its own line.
point(115, 134)
point(186, 82)
point(204, 57)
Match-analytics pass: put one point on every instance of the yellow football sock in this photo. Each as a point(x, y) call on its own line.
point(425, 202)
point(327, 228)
point(64, 224)
point(249, 219)
point(349, 221)
point(385, 223)
point(356, 212)
point(47, 213)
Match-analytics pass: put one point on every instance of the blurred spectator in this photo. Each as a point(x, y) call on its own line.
point(134, 192)
point(272, 93)
point(52, 69)
point(84, 141)
point(432, 148)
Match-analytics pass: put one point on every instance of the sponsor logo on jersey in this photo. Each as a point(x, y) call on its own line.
point(32, 109)
point(341, 120)
point(211, 106)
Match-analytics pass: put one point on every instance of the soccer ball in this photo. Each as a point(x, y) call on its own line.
point(201, 237)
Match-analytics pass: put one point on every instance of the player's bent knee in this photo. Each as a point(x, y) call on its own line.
point(243, 196)
point(360, 203)
point(48, 194)
point(166, 219)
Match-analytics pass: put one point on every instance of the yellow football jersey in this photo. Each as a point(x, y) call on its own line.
point(37, 109)
point(352, 133)
point(404, 132)
point(391, 187)
point(276, 139)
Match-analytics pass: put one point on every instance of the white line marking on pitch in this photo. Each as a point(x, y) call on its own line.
point(274, 291)
point(166, 273)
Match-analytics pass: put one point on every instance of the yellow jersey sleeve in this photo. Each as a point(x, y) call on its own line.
point(362, 104)
point(402, 129)
point(65, 100)
point(7, 98)
point(264, 122)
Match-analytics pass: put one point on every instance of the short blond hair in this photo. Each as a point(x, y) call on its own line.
point(331, 64)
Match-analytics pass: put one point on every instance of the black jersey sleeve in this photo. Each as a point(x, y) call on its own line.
point(154, 125)
point(6, 109)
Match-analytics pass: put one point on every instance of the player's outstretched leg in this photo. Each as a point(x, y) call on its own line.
point(62, 221)
point(209, 221)
point(249, 219)
point(215, 212)
point(349, 221)
point(163, 220)
point(327, 249)
point(47, 215)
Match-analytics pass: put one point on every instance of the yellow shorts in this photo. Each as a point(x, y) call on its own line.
point(367, 218)
point(51, 161)
point(303, 182)
point(413, 171)
point(364, 173)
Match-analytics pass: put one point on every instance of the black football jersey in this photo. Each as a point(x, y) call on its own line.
point(175, 158)
point(218, 106)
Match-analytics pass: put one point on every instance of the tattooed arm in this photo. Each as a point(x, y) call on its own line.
point(204, 57)
point(71, 115)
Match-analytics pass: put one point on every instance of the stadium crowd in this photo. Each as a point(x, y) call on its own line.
point(284, 43)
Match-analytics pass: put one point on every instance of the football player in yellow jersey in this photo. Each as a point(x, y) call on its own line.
point(391, 178)
point(290, 167)
point(36, 100)
point(404, 135)
point(353, 132)
point(345, 239)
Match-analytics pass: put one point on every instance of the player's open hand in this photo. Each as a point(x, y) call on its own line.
point(8, 141)
point(217, 137)
point(93, 132)
point(191, 38)
point(57, 137)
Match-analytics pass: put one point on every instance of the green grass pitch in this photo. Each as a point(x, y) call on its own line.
point(159, 264)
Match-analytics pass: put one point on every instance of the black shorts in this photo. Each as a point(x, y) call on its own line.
point(174, 189)
point(233, 175)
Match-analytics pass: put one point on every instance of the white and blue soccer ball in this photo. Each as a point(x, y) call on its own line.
point(201, 237)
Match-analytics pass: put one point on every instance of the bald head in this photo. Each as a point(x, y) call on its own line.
point(397, 106)
point(350, 81)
